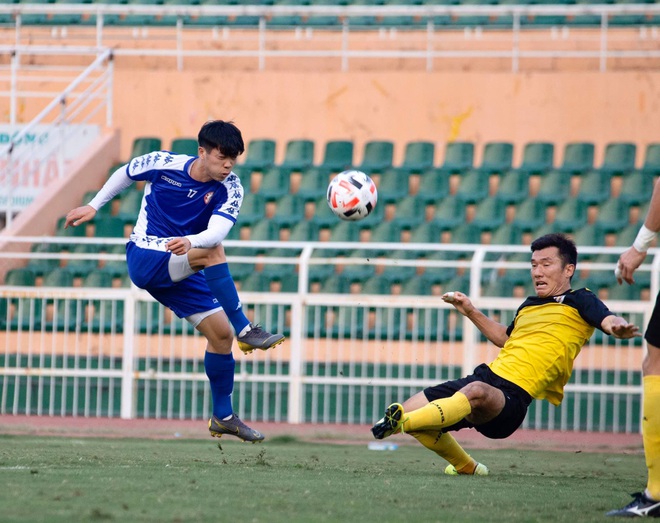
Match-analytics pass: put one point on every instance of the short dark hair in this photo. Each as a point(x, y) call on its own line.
point(566, 246)
point(221, 135)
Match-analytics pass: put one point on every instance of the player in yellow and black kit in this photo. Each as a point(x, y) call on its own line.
point(535, 361)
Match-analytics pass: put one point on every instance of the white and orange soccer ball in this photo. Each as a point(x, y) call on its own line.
point(352, 195)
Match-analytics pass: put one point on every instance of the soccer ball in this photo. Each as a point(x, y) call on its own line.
point(352, 195)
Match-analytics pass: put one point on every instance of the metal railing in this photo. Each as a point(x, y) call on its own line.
point(346, 356)
point(430, 35)
point(54, 136)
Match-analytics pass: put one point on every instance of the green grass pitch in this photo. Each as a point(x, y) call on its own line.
point(54, 479)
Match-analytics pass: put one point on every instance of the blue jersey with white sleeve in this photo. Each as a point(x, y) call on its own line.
point(174, 204)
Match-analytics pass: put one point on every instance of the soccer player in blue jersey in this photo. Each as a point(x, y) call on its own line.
point(647, 503)
point(175, 252)
point(535, 361)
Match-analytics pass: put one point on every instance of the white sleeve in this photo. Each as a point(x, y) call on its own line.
point(217, 231)
point(115, 184)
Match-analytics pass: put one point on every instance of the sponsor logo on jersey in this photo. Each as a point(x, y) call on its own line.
point(169, 180)
point(207, 197)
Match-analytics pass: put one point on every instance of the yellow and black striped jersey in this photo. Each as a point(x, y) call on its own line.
point(545, 337)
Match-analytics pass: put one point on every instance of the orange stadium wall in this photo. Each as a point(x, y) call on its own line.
point(400, 106)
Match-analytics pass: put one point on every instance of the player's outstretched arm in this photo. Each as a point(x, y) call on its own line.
point(619, 327)
point(79, 215)
point(495, 332)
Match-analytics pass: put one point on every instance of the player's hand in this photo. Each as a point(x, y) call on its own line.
point(460, 301)
point(178, 246)
point(625, 331)
point(79, 215)
point(628, 262)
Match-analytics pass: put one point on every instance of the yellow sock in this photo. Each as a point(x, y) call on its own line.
point(651, 433)
point(445, 446)
point(438, 414)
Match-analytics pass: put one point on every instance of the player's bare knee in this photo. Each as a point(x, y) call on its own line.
point(481, 395)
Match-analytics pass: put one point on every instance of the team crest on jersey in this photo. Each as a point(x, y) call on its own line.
point(559, 299)
point(207, 197)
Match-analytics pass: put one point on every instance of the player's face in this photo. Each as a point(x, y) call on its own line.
point(216, 165)
point(549, 274)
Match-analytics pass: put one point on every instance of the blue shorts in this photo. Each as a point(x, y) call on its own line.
point(148, 269)
point(516, 401)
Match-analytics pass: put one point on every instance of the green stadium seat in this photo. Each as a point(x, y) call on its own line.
point(636, 187)
point(513, 187)
point(364, 21)
point(313, 183)
point(652, 160)
point(473, 20)
point(101, 279)
point(459, 157)
point(185, 146)
point(58, 277)
point(67, 19)
point(595, 187)
point(289, 210)
point(338, 156)
point(433, 186)
point(399, 273)
point(538, 158)
point(377, 156)
point(474, 186)
point(108, 19)
point(619, 158)
point(344, 231)
point(129, 205)
point(145, 145)
point(570, 216)
point(253, 209)
point(440, 275)
point(497, 158)
point(529, 214)
point(410, 211)
point(555, 187)
point(578, 157)
point(386, 232)
point(426, 232)
point(613, 215)
point(214, 20)
point(323, 216)
point(449, 213)
point(401, 21)
point(499, 288)
point(506, 234)
point(34, 18)
point(467, 233)
point(590, 235)
point(489, 213)
point(110, 227)
point(275, 183)
point(20, 276)
point(116, 268)
point(135, 20)
point(287, 20)
point(172, 20)
point(70, 232)
point(418, 157)
point(82, 267)
point(260, 155)
point(629, 19)
point(587, 19)
point(298, 156)
point(359, 272)
point(392, 185)
point(325, 20)
point(41, 266)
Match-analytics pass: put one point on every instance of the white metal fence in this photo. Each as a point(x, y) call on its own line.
point(33, 155)
point(426, 36)
point(111, 352)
